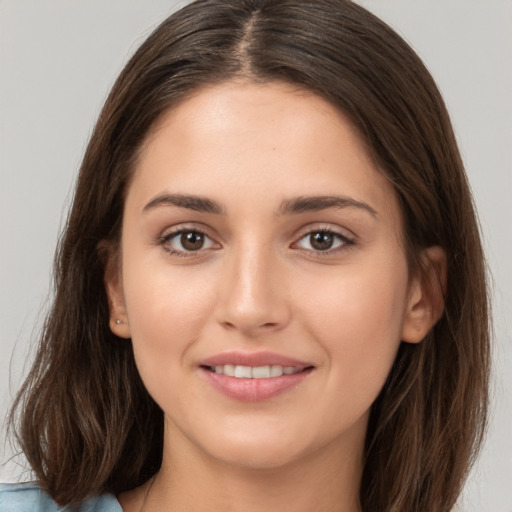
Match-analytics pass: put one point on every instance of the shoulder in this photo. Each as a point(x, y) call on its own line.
point(29, 497)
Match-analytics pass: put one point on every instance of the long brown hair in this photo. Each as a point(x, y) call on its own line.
point(86, 422)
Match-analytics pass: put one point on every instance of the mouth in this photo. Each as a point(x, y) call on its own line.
point(254, 377)
point(254, 372)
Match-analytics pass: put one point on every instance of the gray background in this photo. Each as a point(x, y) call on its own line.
point(58, 59)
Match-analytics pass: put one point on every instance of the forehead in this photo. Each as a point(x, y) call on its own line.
point(272, 139)
point(283, 109)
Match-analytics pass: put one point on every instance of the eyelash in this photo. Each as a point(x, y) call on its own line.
point(346, 242)
point(165, 239)
point(345, 245)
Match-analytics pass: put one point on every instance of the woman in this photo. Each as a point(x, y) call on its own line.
point(270, 293)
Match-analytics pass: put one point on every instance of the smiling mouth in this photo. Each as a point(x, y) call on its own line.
point(255, 372)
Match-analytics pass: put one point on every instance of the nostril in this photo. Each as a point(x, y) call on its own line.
point(267, 325)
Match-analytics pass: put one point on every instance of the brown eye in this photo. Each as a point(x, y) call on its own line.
point(321, 241)
point(192, 240)
point(185, 242)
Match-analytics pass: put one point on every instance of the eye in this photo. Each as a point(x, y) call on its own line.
point(185, 241)
point(323, 240)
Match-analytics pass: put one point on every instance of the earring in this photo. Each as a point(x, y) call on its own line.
point(118, 322)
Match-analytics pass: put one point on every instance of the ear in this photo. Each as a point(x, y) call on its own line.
point(112, 279)
point(426, 296)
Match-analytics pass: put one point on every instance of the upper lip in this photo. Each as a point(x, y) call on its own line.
point(263, 358)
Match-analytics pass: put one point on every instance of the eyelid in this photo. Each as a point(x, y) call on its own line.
point(348, 240)
point(175, 231)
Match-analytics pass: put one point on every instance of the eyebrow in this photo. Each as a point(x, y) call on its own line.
point(317, 203)
point(296, 205)
point(196, 203)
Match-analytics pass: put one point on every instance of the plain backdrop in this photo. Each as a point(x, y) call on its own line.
point(58, 59)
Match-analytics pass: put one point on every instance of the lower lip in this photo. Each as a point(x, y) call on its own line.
point(254, 390)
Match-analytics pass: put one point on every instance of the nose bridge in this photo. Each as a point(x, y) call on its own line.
point(252, 298)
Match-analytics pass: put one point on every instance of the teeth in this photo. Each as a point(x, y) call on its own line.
point(254, 372)
point(229, 369)
point(276, 371)
point(260, 372)
point(243, 372)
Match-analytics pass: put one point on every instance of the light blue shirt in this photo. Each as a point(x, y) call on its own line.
point(28, 497)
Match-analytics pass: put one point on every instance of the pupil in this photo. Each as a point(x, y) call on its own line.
point(321, 241)
point(192, 241)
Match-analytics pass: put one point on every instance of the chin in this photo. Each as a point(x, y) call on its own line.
point(262, 447)
point(258, 457)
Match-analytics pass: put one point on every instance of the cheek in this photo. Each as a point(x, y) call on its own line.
point(167, 309)
point(357, 317)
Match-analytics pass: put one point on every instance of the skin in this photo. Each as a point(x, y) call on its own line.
point(258, 283)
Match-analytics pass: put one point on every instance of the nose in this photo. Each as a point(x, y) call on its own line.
point(252, 295)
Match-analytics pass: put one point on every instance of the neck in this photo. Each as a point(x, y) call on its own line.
point(326, 480)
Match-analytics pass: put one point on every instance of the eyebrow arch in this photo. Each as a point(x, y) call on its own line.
point(196, 203)
point(316, 203)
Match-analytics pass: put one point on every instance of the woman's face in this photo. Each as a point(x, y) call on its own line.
point(259, 238)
